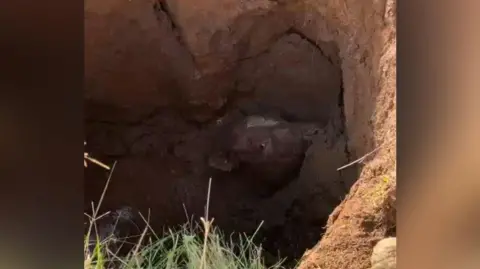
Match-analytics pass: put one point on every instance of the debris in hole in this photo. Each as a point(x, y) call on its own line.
point(259, 121)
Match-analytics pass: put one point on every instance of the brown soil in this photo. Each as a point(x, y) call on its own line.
point(160, 76)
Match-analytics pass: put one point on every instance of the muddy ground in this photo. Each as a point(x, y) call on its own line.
point(167, 81)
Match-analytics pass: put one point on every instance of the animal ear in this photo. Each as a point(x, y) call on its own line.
point(262, 145)
point(267, 147)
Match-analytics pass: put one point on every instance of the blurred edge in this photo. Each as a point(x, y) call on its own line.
point(440, 207)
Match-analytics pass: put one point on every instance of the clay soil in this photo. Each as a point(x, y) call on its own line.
point(162, 77)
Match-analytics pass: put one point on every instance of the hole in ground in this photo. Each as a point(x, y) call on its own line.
point(282, 171)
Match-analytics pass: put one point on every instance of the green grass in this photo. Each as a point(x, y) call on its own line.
point(185, 248)
point(195, 245)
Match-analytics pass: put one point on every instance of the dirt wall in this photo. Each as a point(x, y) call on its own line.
point(365, 32)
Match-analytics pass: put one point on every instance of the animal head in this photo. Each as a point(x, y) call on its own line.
point(253, 142)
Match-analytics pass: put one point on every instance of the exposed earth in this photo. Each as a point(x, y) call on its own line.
point(278, 102)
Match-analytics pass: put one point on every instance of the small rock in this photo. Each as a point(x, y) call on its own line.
point(384, 254)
